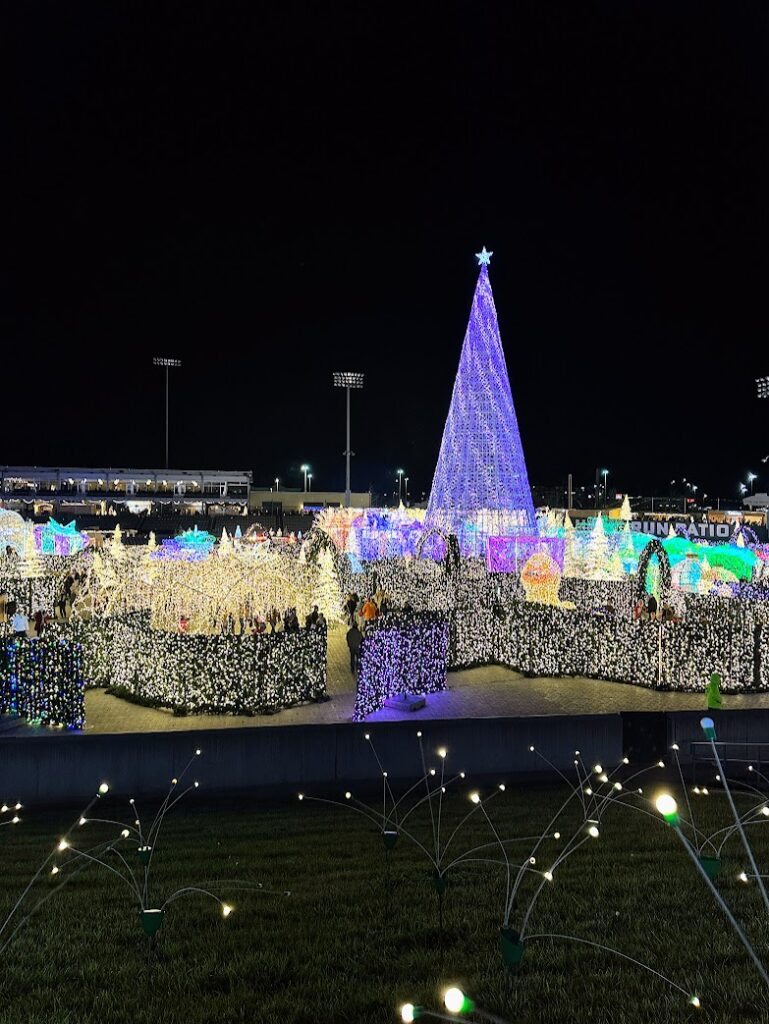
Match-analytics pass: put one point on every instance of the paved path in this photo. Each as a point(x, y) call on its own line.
point(488, 692)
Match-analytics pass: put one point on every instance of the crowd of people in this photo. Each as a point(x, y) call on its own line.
point(649, 610)
point(360, 615)
point(248, 622)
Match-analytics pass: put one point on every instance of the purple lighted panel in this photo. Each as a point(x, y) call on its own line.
point(510, 554)
point(401, 654)
point(480, 485)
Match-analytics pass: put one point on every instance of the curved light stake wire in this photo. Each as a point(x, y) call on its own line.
point(616, 952)
point(721, 902)
point(61, 845)
point(740, 829)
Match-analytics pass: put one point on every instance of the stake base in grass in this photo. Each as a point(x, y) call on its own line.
point(151, 921)
point(440, 882)
point(711, 866)
point(389, 838)
point(511, 947)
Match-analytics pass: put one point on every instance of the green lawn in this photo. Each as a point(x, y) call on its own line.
point(353, 941)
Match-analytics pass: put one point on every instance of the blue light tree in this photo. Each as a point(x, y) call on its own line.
point(481, 487)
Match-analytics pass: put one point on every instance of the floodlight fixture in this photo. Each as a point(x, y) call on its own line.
point(347, 379)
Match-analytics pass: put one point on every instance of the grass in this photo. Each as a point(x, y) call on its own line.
point(354, 941)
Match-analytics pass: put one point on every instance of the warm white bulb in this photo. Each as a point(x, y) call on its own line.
point(618, 785)
point(301, 796)
point(742, 876)
point(556, 835)
point(674, 746)
point(765, 811)
point(226, 910)
point(502, 786)
point(103, 788)
point(54, 870)
point(198, 752)
point(589, 791)
point(408, 1015)
point(695, 1002)
point(593, 832)
point(15, 819)
point(442, 752)
point(475, 797)
point(531, 749)
point(348, 795)
point(63, 844)
point(660, 764)
point(82, 821)
point(125, 833)
point(454, 999)
point(597, 769)
point(548, 875)
point(419, 735)
point(604, 777)
point(665, 804)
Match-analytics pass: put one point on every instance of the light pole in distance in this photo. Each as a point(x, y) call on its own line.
point(400, 485)
point(348, 380)
point(166, 364)
point(305, 470)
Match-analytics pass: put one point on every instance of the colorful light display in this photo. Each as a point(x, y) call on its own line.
point(42, 680)
point(215, 674)
point(190, 546)
point(55, 539)
point(481, 487)
point(404, 654)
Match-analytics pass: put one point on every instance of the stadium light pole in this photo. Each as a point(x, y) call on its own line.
point(305, 470)
point(400, 486)
point(166, 364)
point(347, 380)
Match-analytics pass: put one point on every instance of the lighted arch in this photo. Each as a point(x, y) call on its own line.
point(654, 547)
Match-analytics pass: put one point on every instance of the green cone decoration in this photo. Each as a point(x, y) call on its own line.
point(440, 882)
point(511, 947)
point(390, 838)
point(151, 920)
point(712, 866)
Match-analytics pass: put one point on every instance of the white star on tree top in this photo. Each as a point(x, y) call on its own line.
point(484, 257)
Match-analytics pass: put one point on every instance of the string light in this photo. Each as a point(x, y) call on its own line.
point(401, 654)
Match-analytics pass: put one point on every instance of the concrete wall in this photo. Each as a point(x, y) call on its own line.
point(282, 759)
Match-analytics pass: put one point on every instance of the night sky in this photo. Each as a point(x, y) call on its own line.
point(273, 192)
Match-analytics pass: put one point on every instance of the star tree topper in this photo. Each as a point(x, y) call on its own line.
point(484, 257)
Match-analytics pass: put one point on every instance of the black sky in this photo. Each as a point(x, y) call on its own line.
point(271, 193)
